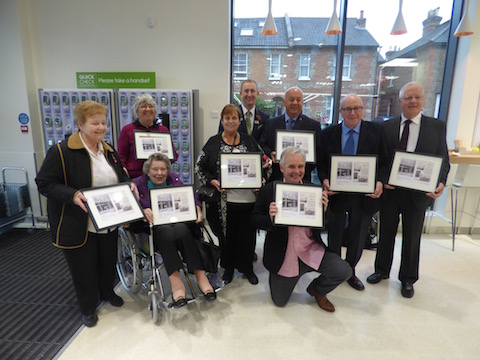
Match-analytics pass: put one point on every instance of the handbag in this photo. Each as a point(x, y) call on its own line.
point(209, 252)
point(208, 194)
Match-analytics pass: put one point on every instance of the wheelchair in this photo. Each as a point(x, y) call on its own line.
point(136, 255)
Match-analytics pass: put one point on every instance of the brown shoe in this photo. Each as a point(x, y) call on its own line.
point(322, 300)
point(355, 283)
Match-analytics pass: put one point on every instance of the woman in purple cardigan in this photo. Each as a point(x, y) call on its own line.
point(171, 238)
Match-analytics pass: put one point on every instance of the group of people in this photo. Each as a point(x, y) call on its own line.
point(235, 215)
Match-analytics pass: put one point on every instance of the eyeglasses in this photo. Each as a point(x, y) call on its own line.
point(349, 109)
point(147, 106)
point(410, 98)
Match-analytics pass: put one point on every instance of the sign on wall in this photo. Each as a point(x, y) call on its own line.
point(116, 80)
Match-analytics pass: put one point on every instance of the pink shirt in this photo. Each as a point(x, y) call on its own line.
point(301, 244)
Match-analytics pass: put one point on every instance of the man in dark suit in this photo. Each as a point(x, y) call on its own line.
point(417, 133)
point(294, 120)
point(293, 251)
point(253, 119)
point(352, 137)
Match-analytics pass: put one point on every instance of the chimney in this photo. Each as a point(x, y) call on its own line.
point(361, 21)
point(432, 21)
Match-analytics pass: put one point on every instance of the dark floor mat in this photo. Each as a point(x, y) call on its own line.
point(38, 308)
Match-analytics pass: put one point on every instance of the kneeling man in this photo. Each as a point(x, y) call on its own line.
point(291, 251)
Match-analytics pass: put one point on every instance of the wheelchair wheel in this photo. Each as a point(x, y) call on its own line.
point(128, 265)
point(154, 306)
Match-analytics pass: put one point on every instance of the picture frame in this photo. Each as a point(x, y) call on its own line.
point(111, 206)
point(241, 170)
point(299, 138)
point(353, 174)
point(147, 143)
point(415, 171)
point(298, 205)
point(173, 204)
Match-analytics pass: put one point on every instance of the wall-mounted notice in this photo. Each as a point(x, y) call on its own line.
point(116, 80)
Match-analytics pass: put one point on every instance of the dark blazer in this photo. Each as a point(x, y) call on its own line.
point(277, 236)
point(268, 140)
point(372, 141)
point(431, 140)
point(259, 120)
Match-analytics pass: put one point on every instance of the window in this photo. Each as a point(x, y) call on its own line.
point(275, 66)
point(304, 67)
point(246, 32)
point(347, 62)
point(240, 62)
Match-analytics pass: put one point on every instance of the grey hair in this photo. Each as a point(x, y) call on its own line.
point(402, 90)
point(156, 157)
point(292, 88)
point(291, 150)
point(139, 100)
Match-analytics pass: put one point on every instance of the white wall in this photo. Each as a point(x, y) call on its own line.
point(43, 43)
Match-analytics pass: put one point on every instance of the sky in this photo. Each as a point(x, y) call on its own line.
point(380, 15)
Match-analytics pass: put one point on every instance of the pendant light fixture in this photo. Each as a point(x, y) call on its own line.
point(464, 28)
point(399, 27)
point(333, 27)
point(269, 27)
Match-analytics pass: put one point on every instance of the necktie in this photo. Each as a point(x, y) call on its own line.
point(404, 138)
point(349, 148)
point(289, 124)
point(248, 118)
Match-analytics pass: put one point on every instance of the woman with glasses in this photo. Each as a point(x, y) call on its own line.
point(144, 114)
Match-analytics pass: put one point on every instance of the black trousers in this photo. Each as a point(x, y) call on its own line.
point(398, 202)
point(239, 244)
point(92, 267)
point(333, 271)
point(356, 232)
point(172, 238)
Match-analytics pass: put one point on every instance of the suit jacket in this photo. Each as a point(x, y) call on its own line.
point(259, 120)
point(268, 140)
point(276, 240)
point(372, 141)
point(431, 141)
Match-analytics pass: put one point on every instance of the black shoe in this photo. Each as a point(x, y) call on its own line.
point(90, 320)
point(255, 256)
point(251, 277)
point(115, 300)
point(210, 295)
point(227, 276)
point(375, 278)
point(407, 289)
point(180, 302)
point(355, 283)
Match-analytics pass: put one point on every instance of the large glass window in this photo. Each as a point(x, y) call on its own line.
point(240, 61)
point(375, 64)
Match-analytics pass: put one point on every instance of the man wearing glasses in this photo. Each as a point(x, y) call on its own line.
point(412, 132)
point(352, 212)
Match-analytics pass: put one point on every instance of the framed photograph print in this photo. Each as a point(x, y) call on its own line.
point(302, 139)
point(298, 205)
point(415, 171)
point(173, 204)
point(241, 171)
point(146, 143)
point(355, 174)
point(110, 206)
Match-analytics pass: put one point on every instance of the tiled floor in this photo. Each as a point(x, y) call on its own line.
point(442, 320)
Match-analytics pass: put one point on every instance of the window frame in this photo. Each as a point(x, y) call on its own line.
point(234, 73)
point(304, 66)
point(272, 75)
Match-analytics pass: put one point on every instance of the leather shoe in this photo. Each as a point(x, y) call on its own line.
point(178, 303)
point(89, 320)
point(407, 289)
point(322, 300)
point(115, 300)
point(251, 277)
point(227, 276)
point(355, 283)
point(210, 295)
point(375, 278)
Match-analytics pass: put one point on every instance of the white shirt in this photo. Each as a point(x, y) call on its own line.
point(413, 131)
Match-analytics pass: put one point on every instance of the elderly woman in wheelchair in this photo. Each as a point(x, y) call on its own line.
point(170, 239)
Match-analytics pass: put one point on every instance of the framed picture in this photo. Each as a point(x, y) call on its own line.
point(173, 204)
point(241, 171)
point(146, 143)
point(415, 171)
point(111, 206)
point(298, 205)
point(354, 174)
point(302, 139)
